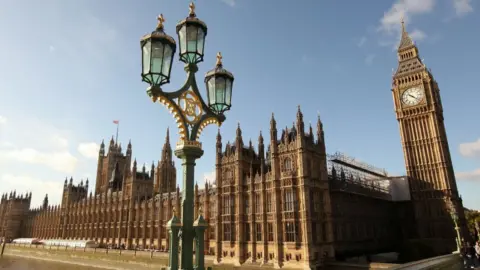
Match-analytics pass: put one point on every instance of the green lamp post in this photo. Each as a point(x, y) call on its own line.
point(454, 216)
point(190, 111)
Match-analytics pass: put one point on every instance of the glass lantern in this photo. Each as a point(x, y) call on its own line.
point(219, 84)
point(158, 49)
point(191, 35)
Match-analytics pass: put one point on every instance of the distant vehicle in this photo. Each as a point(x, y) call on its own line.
point(28, 241)
point(70, 243)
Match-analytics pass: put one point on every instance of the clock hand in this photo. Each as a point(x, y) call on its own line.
point(411, 96)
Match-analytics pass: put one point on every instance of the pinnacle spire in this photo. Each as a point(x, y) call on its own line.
point(167, 150)
point(300, 126)
point(320, 133)
point(405, 40)
point(239, 130)
point(167, 138)
point(260, 138)
point(219, 136)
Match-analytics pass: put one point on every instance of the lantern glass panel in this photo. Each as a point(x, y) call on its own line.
point(201, 41)
point(157, 62)
point(146, 57)
point(183, 39)
point(192, 39)
point(219, 93)
point(228, 93)
point(167, 60)
point(211, 91)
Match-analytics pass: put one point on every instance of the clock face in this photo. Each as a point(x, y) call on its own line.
point(412, 96)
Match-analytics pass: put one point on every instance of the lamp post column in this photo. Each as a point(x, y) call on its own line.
point(200, 226)
point(188, 151)
point(173, 227)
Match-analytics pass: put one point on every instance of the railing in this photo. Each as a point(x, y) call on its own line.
point(431, 262)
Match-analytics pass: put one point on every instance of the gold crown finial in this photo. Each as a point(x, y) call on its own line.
point(191, 9)
point(161, 20)
point(219, 59)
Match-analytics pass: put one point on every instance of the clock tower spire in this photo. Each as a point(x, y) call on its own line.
point(428, 163)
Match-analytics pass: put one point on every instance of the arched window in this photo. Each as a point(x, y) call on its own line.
point(287, 164)
point(229, 173)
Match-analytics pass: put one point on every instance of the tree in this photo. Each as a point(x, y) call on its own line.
point(473, 221)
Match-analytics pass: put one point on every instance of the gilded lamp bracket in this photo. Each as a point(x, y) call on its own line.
point(191, 113)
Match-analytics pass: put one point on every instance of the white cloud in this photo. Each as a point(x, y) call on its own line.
point(3, 120)
point(417, 35)
point(209, 178)
point(369, 59)
point(59, 161)
point(89, 150)
point(404, 9)
point(33, 142)
point(5, 144)
point(473, 175)
point(462, 7)
point(59, 141)
point(390, 26)
point(229, 2)
point(470, 149)
point(25, 183)
point(362, 41)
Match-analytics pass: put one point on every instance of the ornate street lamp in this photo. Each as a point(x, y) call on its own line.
point(454, 216)
point(191, 113)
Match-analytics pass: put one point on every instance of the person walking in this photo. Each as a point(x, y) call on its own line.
point(477, 254)
point(468, 253)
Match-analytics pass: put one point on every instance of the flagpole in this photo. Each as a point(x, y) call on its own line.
point(116, 138)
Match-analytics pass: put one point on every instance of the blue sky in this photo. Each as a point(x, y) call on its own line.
point(68, 68)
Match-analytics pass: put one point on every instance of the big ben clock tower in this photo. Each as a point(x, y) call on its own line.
point(419, 112)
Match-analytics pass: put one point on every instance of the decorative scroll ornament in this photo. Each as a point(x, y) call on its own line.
point(191, 107)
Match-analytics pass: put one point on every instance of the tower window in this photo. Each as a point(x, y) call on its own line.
point(269, 202)
point(258, 208)
point(290, 231)
point(289, 200)
point(247, 204)
point(270, 232)
point(226, 205)
point(287, 164)
point(258, 232)
point(227, 233)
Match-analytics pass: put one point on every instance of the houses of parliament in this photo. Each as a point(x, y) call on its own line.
point(285, 202)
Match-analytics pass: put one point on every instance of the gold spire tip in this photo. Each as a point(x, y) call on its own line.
point(219, 59)
point(191, 9)
point(161, 20)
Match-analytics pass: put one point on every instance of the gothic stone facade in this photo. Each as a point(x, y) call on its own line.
point(271, 207)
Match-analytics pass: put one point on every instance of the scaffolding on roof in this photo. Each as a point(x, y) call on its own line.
point(348, 161)
point(353, 172)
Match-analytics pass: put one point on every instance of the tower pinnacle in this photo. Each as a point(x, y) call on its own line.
point(167, 149)
point(405, 40)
